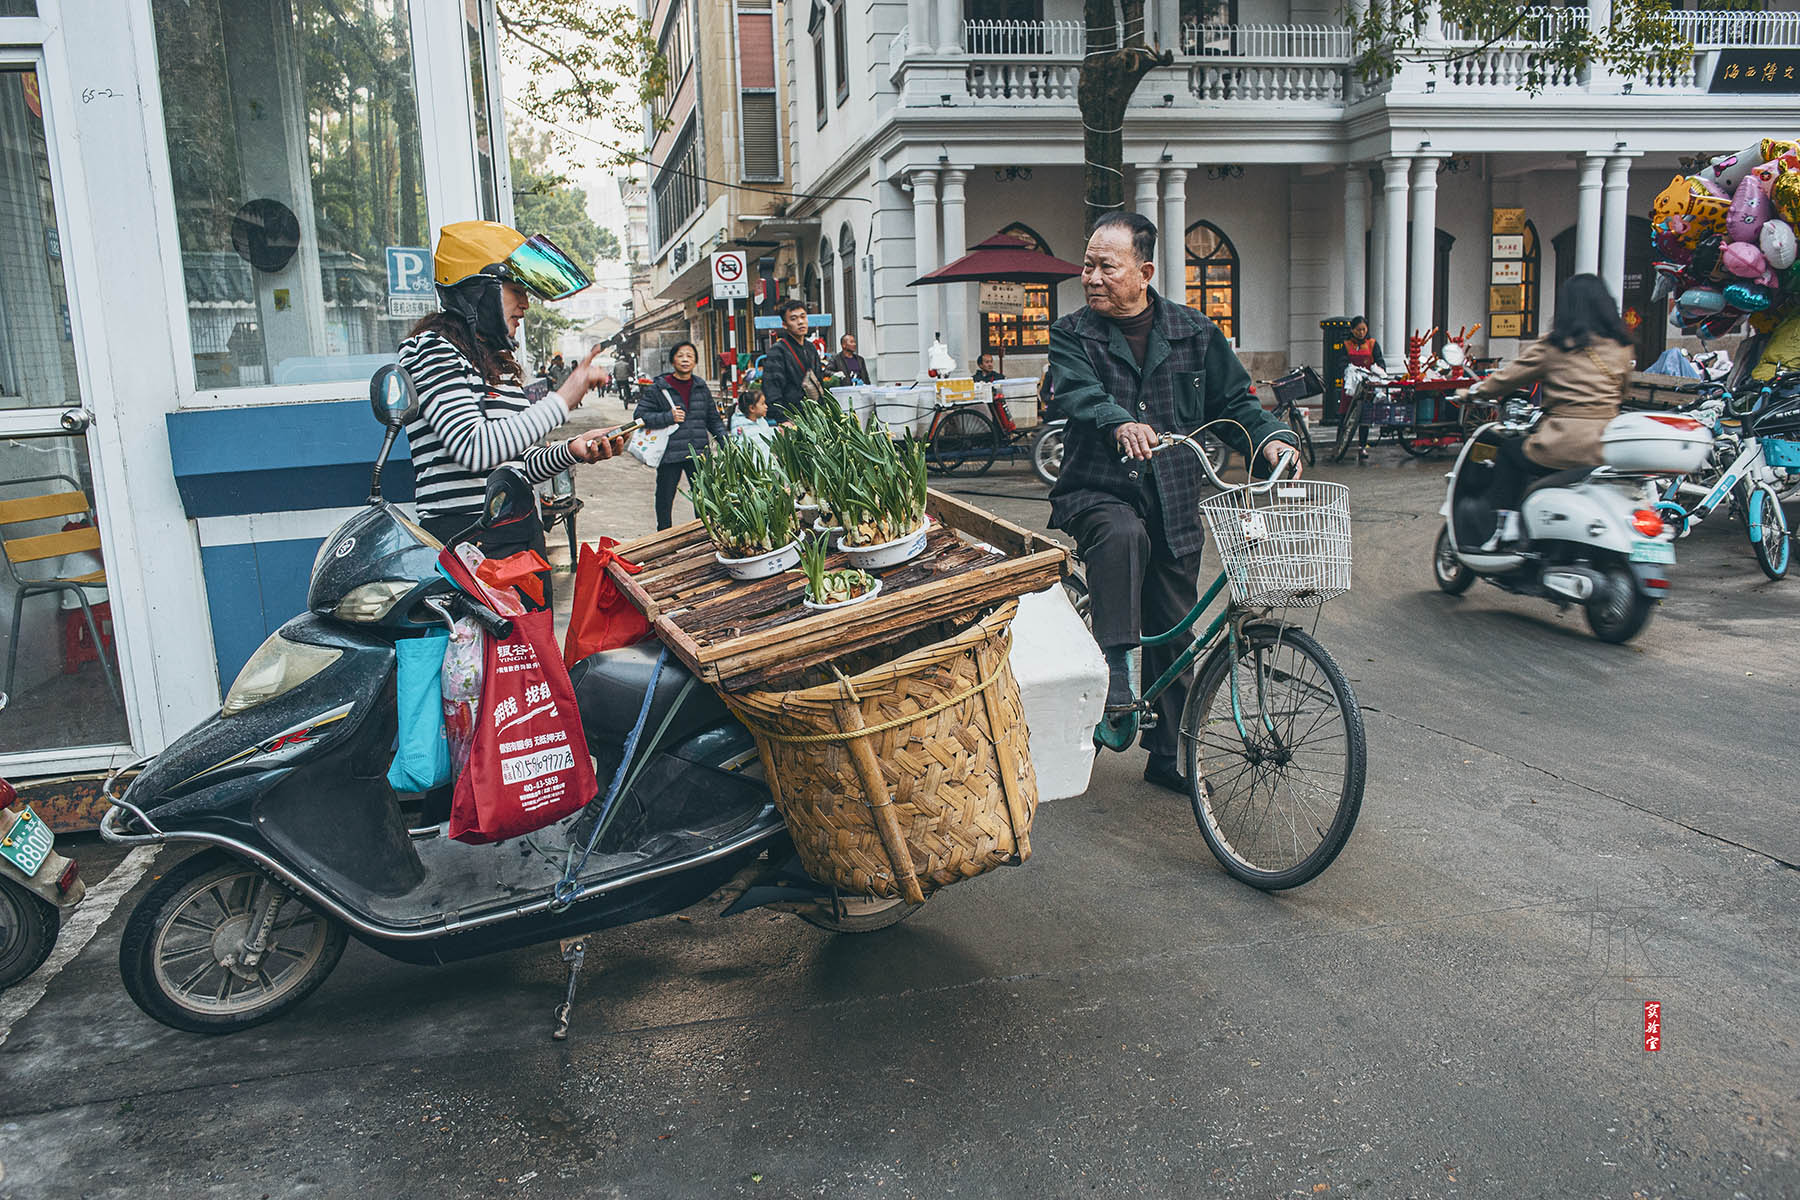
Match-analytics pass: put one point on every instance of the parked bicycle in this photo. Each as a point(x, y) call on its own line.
point(1272, 738)
point(1755, 445)
point(969, 436)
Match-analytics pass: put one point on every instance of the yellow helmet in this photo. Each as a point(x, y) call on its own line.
point(467, 248)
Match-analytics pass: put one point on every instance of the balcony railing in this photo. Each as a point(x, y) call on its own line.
point(1053, 39)
point(1533, 25)
point(1329, 42)
point(1760, 29)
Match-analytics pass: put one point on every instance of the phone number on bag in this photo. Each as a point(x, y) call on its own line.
point(527, 767)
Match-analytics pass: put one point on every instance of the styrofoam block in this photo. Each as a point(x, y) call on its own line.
point(1062, 684)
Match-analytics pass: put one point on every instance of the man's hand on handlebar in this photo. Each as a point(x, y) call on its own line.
point(1137, 439)
point(1275, 450)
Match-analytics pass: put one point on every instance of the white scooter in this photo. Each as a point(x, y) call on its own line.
point(1591, 536)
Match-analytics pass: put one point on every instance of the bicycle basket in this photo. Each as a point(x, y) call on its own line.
point(1286, 547)
point(1780, 417)
point(1297, 385)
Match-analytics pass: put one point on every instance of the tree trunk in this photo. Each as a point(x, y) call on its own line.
point(1110, 73)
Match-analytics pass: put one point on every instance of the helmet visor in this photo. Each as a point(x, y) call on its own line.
point(541, 266)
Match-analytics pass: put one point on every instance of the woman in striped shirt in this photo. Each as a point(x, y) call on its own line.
point(474, 415)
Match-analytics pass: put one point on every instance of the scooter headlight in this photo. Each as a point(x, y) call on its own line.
point(371, 601)
point(277, 667)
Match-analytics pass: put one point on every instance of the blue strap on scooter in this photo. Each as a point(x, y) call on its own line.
point(564, 893)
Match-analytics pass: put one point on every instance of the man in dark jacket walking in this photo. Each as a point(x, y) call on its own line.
point(791, 371)
point(1127, 368)
point(682, 399)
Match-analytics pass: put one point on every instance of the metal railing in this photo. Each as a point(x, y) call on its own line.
point(1027, 39)
point(1534, 25)
point(1760, 29)
point(1327, 42)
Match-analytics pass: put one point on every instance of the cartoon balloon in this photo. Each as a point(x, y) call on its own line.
point(1748, 297)
point(1777, 243)
point(1785, 196)
point(1744, 260)
point(1701, 300)
point(1749, 211)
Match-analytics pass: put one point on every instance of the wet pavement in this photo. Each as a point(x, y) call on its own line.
point(1555, 832)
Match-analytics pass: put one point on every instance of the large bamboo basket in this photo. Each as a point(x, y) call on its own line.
point(906, 776)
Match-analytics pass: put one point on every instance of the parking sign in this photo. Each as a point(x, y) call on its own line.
point(410, 290)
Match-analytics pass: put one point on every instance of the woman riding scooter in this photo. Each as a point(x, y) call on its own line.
point(473, 413)
point(1584, 365)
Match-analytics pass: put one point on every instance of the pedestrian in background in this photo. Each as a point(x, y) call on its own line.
point(682, 399)
point(558, 370)
point(791, 367)
point(848, 363)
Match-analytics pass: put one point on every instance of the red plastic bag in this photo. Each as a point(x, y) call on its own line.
point(529, 764)
point(601, 618)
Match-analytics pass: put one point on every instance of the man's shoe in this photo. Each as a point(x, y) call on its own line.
point(1119, 696)
point(1162, 771)
point(1506, 531)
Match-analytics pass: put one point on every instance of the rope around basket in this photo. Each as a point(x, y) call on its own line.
point(865, 731)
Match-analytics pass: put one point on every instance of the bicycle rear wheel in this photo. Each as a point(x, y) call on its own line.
point(1346, 431)
point(1302, 435)
point(963, 439)
point(1277, 806)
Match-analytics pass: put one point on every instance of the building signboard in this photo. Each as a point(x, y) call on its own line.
point(1007, 299)
point(1507, 298)
point(1766, 72)
point(411, 292)
point(1507, 271)
point(730, 275)
point(1509, 220)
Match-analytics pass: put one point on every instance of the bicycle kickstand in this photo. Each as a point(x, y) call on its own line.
point(574, 950)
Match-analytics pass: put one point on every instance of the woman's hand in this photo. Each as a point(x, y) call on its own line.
point(586, 376)
point(594, 445)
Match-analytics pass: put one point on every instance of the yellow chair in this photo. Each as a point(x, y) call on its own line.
point(39, 547)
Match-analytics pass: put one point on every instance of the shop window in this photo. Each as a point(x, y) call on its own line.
point(847, 259)
point(1212, 275)
point(293, 136)
point(1029, 333)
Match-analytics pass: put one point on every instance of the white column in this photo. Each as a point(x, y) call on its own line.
point(956, 295)
point(1356, 221)
point(918, 27)
point(1613, 224)
point(949, 30)
point(1393, 320)
point(925, 255)
point(1587, 215)
point(1377, 266)
point(1424, 245)
point(1173, 273)
point(1145, 200)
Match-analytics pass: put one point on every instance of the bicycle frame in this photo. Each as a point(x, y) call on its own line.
point(1742, 467)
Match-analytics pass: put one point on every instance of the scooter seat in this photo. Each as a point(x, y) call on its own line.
point(1558, 479)
point(609, 693)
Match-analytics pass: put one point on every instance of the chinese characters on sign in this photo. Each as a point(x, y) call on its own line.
point(1506, 274)
point(1653, 1024)
point(1764, 71)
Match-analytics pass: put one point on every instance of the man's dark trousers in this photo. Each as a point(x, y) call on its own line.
point(1135, 588)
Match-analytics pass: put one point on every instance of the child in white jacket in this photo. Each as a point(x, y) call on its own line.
point(751, 419)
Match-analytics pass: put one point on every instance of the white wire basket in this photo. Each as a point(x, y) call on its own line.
point(1284, 547)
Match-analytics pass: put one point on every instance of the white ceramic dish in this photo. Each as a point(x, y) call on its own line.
point(761, 566)
point(868, 595)
point(887, 554)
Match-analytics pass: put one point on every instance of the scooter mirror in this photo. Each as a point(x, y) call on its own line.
point(393, 396)
point(509, 498)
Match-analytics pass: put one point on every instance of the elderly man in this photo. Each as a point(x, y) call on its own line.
point(848, 363)
point(1127, 368)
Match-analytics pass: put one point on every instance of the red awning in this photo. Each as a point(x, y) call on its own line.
point(1003, 258)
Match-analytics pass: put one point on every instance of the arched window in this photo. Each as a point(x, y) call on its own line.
point(809, 287)
point(847, 257)
point(827, 263)
point(1212, 275)
point(1029, 333)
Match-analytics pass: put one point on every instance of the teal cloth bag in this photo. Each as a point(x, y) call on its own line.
point(421, 751)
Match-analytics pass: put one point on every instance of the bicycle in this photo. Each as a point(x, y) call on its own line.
point(962, 435)
point(1270, 710)
point(1741, 473)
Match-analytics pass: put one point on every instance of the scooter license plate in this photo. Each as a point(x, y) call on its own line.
point(1649, 550)
point(27, 844)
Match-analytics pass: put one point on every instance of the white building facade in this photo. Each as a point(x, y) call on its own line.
point(215, 221)
point(1294, 192)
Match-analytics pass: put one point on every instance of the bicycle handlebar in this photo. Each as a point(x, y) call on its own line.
point(1289, 459)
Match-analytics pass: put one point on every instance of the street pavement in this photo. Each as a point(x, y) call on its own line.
point(1555, 831)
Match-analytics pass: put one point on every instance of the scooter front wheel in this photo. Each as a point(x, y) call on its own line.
point(184, 957)
point(1450, 572)
point(28, 929)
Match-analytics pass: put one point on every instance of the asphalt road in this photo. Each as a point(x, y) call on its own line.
point(1555, 831)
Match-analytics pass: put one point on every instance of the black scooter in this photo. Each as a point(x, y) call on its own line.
point(304, 843)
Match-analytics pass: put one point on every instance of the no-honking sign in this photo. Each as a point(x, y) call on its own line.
point(730, 275)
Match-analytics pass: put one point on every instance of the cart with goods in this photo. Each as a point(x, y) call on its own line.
point(873, 673)
point(1422, 409)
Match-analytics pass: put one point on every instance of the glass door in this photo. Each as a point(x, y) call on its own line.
point(60, 661)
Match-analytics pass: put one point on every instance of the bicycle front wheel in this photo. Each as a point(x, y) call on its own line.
point(963, 439)
point(1346, 432)
point(1302, 437)
point(1768, 531)
point(1275, 803)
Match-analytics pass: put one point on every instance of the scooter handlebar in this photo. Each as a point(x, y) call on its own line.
point(490, 621)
